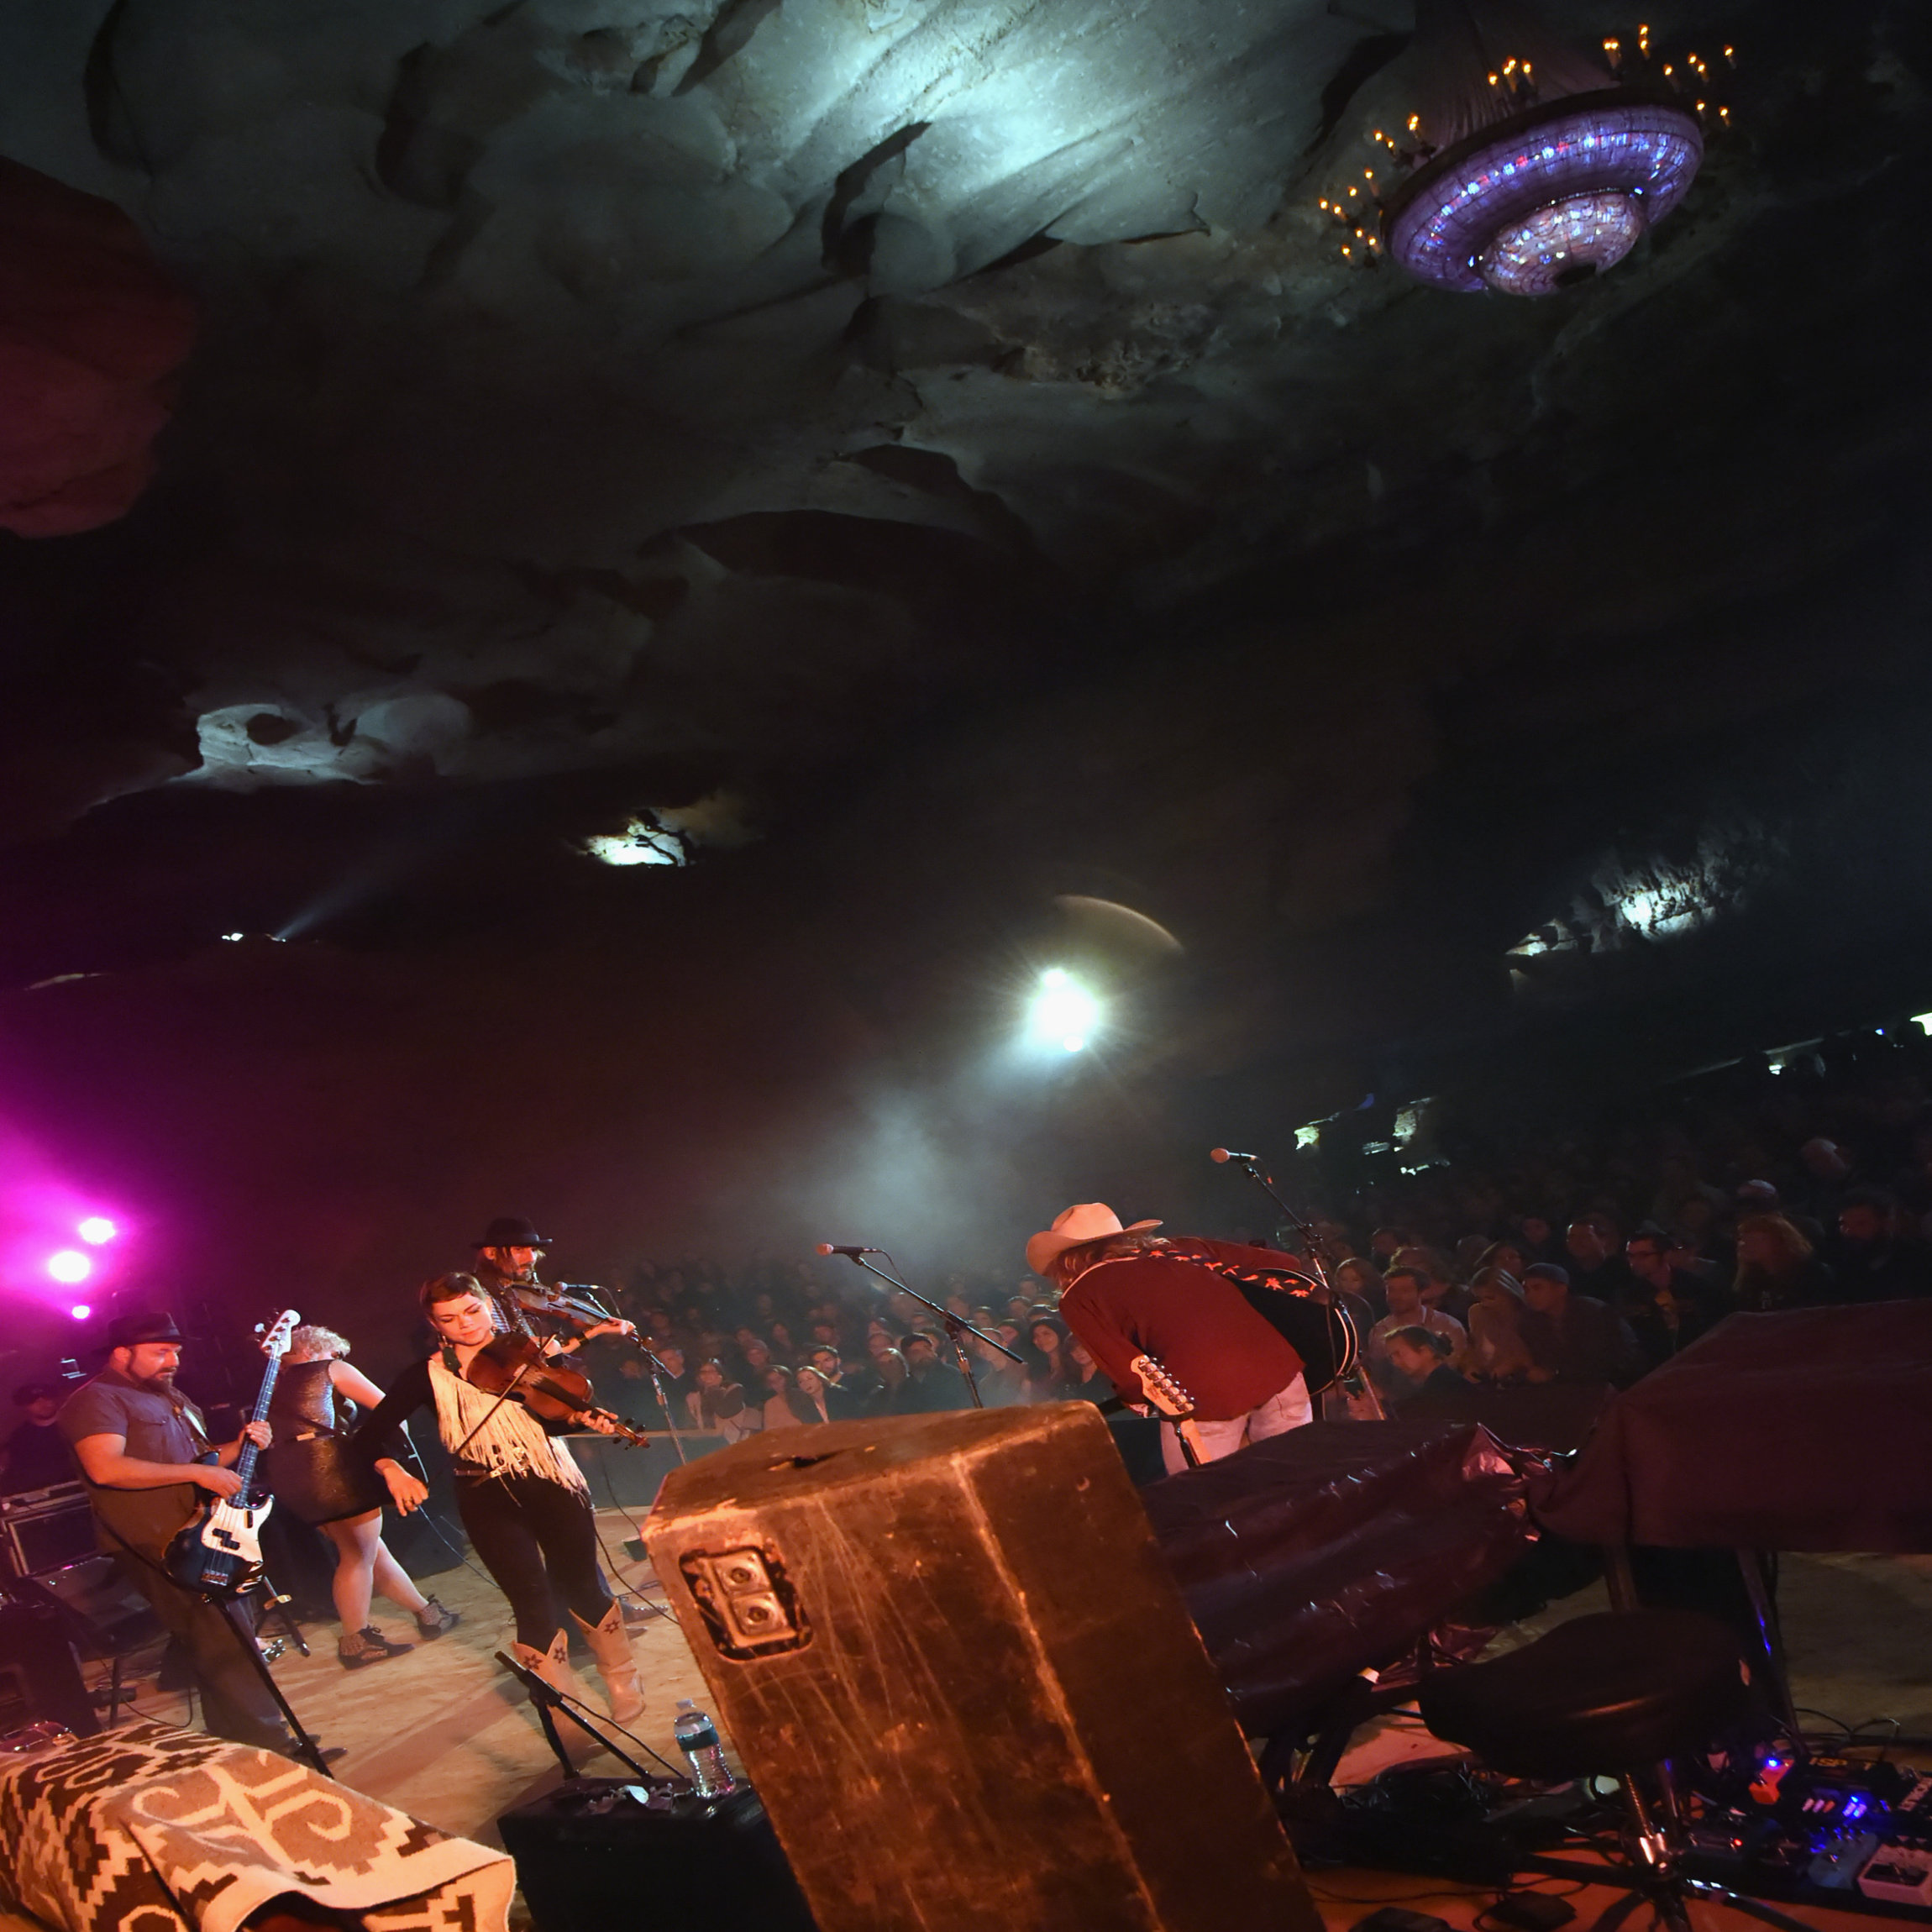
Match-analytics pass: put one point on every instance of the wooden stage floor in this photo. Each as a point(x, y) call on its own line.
point(442, 1733)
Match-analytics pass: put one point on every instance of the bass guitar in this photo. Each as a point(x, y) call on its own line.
point(218, 1549)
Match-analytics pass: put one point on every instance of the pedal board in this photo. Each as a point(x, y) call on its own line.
point(1850, 1833)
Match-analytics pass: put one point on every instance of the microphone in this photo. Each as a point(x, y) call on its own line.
point(1225, 1154)
point(833, 1247)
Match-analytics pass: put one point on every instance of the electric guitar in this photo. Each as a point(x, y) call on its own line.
point(1173, 1401)
point(218, 1549)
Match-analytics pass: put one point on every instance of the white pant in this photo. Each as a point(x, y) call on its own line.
point(1286, 1409)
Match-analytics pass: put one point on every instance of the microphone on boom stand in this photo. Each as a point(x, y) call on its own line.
point(957, 1327)
point(1223, 1155)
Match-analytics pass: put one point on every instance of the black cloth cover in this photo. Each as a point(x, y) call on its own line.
point(1336, 1548)
point(1804, 1429)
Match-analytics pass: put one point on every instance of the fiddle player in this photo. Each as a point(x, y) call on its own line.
point(522, 1497)
point(506, 1258)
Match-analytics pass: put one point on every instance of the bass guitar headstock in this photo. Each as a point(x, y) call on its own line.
point(274, 1336)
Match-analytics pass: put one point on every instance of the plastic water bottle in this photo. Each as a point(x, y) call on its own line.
point(697, 1739)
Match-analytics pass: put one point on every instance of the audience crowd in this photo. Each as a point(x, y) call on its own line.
point(1582, 1255)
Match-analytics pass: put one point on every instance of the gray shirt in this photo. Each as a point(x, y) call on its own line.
point(157, 1428)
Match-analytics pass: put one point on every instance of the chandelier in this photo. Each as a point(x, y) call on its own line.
point(1529, 167)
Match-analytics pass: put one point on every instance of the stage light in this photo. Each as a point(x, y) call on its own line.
point(70, 1265)
point(80, 1311)
point(1063, 1013)
point(96, 1230)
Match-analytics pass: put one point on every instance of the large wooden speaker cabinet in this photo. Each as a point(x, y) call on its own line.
point(964, 1683)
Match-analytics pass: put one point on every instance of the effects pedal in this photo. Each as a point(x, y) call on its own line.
point(1899, 1875)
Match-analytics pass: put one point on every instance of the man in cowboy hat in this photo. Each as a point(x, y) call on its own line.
point(1124, 1298)
point(138, 1442)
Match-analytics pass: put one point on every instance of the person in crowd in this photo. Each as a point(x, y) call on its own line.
point(1404, 1287)
point(821, 1400)
point(1511, 1256)
point(139, 1443)
point(1385, 1243)
point(718, 1405)
point(1439, 1293)
point(784, 1408)
point(1497, 1350)
point(1046, 1338)
point(1871, 1262)
point(1420, 1358)
point(1667, 1308)
point(895, 1394)
point(1084, 1379)
point(1127, 1300)
point(1358, 1285)
point(1596, 1265)
point(1002, 1380)
point(935, 1383)
point(312, 1472)
point(36, 1454)
point(521, 1497)
point(1536, 1235)
point(1777, 1267)
point(1830, 1177)
point(1574, 1337)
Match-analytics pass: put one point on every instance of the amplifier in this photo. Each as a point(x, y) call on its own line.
point(44, 1530)
point(598, 1852)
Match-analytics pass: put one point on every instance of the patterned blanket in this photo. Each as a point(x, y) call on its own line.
point(156, 1830)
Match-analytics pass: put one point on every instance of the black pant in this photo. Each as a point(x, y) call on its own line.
point(235, 1702)
point(536, 1538)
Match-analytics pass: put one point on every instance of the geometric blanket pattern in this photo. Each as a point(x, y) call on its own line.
point(154, 1828)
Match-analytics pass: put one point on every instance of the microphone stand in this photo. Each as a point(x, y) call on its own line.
point(549, 1700)
point(1312, 1253)
point(955, 1328)
point(1310, 1247)
point(659, 1372)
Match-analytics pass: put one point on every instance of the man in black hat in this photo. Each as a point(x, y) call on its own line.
point(138, 1442)
point(35, 1457)
point(506, 1258)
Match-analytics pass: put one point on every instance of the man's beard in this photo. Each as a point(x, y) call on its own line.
point(162, 1383)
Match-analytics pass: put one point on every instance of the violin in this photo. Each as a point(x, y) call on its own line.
point(572, 1307)
point(517, 1366)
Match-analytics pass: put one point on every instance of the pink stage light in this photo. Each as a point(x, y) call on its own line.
point(70, 1265)
point(80, 1311)
point(96, 1230)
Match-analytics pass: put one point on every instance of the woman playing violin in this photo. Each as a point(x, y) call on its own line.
point(521, 1497)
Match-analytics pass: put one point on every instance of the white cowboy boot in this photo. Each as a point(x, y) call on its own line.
point(610, 1645)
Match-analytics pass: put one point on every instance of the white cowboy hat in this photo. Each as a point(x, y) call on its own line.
point(1087, 1220)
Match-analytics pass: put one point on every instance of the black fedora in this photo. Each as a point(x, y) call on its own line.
point(148, 1324)
point(513, 1231)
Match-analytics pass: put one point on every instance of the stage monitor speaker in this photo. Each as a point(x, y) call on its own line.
point(39, 1676)
point(964, 1683)
point(590, 1856)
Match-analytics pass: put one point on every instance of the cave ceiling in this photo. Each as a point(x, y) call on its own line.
point(935, 454)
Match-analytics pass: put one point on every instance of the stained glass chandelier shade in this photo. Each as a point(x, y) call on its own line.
point(1537, 181)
